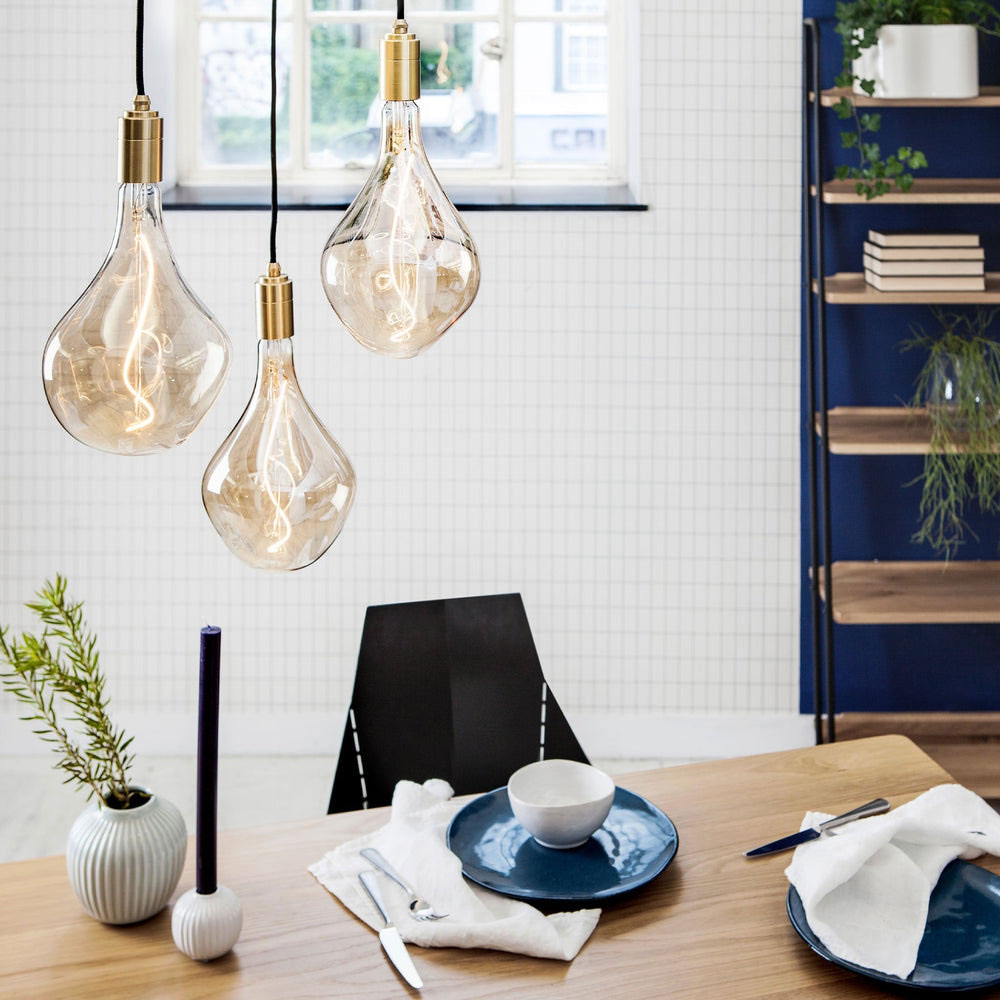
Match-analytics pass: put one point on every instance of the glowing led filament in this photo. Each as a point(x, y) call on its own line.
point(275, 455)
point(404, 319)
point(136, 363)
point(279, 489)
point(142, 329)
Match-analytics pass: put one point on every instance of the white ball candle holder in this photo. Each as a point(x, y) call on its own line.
point(207, 925)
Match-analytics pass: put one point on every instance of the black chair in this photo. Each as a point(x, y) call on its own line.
point(446, 689)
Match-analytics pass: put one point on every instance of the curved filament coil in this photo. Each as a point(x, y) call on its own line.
point(145, 413)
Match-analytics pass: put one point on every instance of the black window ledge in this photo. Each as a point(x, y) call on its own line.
point(237, 198)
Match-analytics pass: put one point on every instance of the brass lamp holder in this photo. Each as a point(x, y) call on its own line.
point(140, 144)
point(399, 65)
point(274, 305)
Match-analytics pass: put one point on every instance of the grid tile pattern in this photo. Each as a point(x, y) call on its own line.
point(612, 430)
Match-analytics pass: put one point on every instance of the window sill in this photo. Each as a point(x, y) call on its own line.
point(233, 198)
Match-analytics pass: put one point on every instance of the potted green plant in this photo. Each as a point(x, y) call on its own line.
point(959, 388)
point(900, 49)
point(125, 852)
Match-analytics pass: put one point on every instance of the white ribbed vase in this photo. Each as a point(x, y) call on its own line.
point(124, 864)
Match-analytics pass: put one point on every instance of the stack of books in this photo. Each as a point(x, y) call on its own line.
point(924, 262)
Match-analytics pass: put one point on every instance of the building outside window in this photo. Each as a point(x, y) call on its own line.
point(512, 90)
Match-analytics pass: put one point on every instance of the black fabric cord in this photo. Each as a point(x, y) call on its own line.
point(400, 16)
point(140, 83)
point(274, 131)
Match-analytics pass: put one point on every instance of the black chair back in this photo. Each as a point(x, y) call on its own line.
point(446, 689)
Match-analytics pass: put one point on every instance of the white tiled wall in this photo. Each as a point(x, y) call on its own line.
point(612, 430)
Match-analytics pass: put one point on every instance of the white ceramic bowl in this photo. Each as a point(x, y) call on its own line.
point(560, 802)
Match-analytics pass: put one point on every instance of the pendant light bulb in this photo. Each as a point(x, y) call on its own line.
point(401, 267)
point(138, 361)
point(279, 488)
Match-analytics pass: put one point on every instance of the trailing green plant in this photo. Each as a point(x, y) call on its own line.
point(858, 23)
point(962, 468)
point(62, 664)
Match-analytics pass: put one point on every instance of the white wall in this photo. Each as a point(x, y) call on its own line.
point(612, 430)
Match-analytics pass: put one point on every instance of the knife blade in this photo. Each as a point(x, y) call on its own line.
point(872, 808)
point(392, 943)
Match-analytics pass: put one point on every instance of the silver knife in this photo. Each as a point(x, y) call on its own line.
point(872, 808)
point(392, 943)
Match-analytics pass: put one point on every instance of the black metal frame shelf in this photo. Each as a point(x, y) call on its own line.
point(815, 351)
point(934, 598)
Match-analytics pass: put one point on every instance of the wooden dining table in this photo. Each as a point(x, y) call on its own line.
point(713, 925)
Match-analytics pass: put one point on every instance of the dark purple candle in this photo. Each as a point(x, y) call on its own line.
point(208, 759)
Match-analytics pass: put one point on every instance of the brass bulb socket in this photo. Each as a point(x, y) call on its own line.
point(399, 65)
point(140, 144)
point(274, 305)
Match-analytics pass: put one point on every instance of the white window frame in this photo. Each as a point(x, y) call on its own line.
point(570, 32)
point(191, 171)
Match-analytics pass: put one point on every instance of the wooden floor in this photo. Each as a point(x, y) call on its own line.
point(38, 810)
point(966, 744)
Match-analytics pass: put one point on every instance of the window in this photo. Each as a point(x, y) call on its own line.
point(585, 58)
point(512, 90)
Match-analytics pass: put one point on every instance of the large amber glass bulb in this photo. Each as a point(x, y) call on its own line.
point(279, 489)
point(401, 267)
point(138, 361)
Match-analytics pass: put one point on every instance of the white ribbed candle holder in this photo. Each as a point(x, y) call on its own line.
point(124, 864)
point(207, 926)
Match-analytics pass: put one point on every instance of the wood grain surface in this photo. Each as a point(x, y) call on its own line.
point(713, 925)
point(850, 288)
point(915, 592)
point(965, 744)
point(989, 97)
point(925, 190)
point(883, 430)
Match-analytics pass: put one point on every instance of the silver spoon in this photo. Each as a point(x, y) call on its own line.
point(420, 909)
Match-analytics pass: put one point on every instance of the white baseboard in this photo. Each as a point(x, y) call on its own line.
point(686, 735)
point(608, 737)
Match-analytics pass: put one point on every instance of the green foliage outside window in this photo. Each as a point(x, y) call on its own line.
point(343, 84)
point(459, 69)
point(246, 139)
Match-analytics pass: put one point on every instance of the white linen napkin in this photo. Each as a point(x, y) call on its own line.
point(865, 887)
point(413, 842)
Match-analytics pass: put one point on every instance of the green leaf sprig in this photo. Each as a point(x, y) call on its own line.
point(858, 23)
point(62, 664)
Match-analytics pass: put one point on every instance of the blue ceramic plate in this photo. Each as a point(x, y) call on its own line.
point(960, 949)
point(634, 845)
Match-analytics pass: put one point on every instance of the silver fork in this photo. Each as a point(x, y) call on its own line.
point(420, 909)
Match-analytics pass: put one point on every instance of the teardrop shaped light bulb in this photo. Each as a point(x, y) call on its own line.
point(138, 361)
point(279, 489)
point(401, 267)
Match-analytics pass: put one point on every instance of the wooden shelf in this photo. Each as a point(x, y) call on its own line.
point(849, 288)
point(881, 430)
point(925, 191)
point(915, 593)
point(989, 97)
